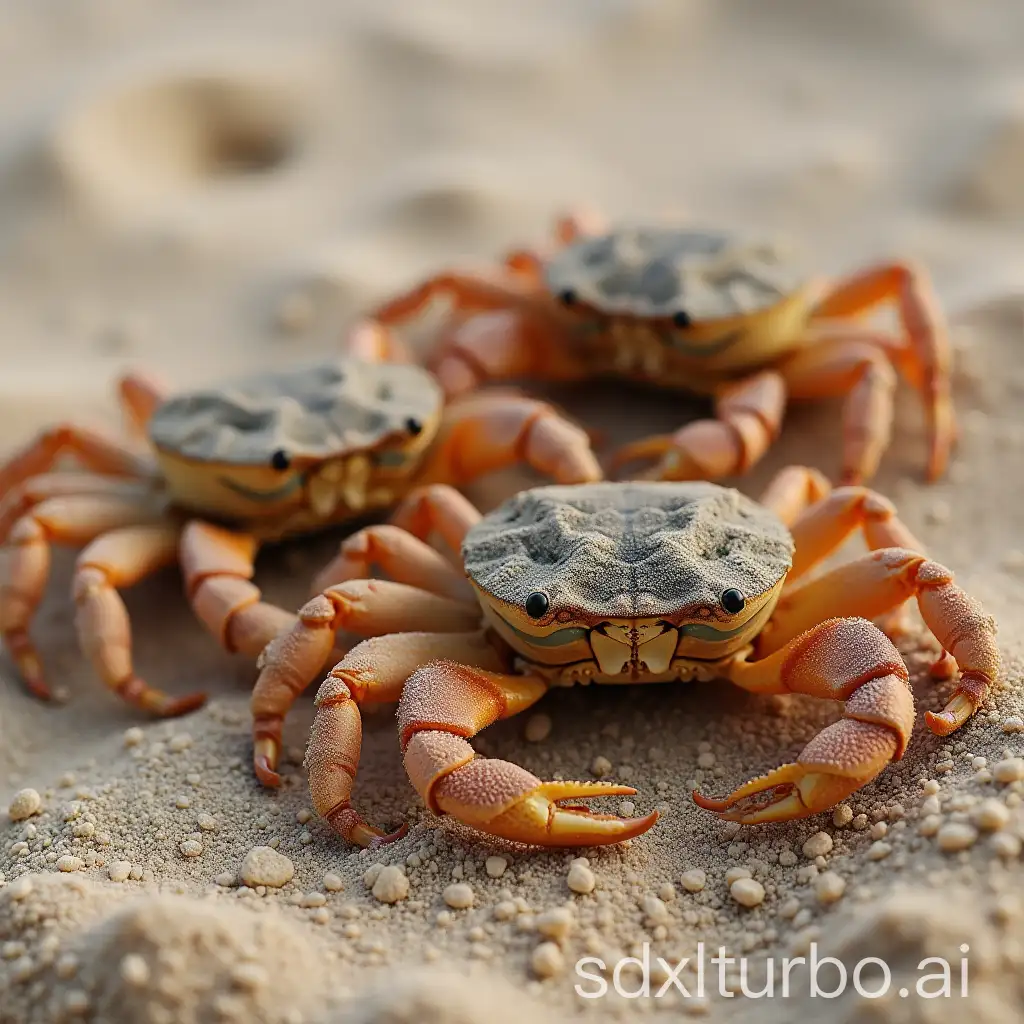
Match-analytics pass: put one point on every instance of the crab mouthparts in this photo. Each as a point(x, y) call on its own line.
point(340, 482)
point(634, 648)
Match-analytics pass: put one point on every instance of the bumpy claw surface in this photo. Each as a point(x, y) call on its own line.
point(539, 817)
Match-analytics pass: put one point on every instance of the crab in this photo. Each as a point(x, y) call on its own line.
point(622, 582)
point(255, 460)
point(702, 311)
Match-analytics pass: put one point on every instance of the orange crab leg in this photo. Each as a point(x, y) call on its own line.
point(292, 660)
point(25, 563)
point(140, 396)
point(883, 580)
point(374, 670)
point(861, 371)
point(819, 530)
point(405, 558)
point(436, 508)
point(793, 490)
point(925, 328)
point(484, 433)
point(841, 659)
point(443, 704)
point(119, 559)
point(748, 416)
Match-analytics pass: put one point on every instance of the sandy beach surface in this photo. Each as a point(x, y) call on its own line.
point(198, 189)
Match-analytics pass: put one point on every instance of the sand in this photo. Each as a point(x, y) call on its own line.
point(214, 189)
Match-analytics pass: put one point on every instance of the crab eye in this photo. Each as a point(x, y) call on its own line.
point(567, 297)
point(733, 601)
point(280, 461)
point(413, 426)
point(681, 319)
point(536, 604)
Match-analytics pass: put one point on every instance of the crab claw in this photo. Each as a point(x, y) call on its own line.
point(538, 817)
point(789, 792)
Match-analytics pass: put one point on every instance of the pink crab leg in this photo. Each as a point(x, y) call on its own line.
point(883, 580)
point(927, 336)
point(748, 418)
point(820, 529)
point(443, 704)
point(65, 484)
point(488, 432)
point(861, 371)
point(89, 447)
point(140, 396)
point(119, 559)
point(403, 557)
point(841, 659)
point(372, 342)
point(436, 508)
point(793, 490)
point(25, 563)
point(292, 660)
point(374, 670)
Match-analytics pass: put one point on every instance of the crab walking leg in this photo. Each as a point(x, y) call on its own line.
point(25, 563)
point(140, 395)
point(405, 558)
point(748, 416)
point(372, 342)
point(292, 660)
point(883, 580)
point(114, 560)
point(443, 704)
point(842, 659)
point(90, 448)
point(820, 529)
point(65, 484)
point(374, 670)
point(793, 490)
point(864, 374)
point(218, 565)
point(488, 432)
point(435, 508)
point(925, 328)
point(504, 344)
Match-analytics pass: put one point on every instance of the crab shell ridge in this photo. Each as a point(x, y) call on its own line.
point(627, 550)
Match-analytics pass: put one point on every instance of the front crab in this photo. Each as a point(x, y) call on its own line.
point(626, 583)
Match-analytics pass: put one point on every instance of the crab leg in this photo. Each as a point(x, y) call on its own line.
point(25, 563)
point(114, 560)
point(90, 448)
point(793, 490)
point(748, 417)
point(374, 670)
point(443, 704)
point(405, 558)
point(883, 580)
point(925, 329)
point(488, 432)
point(218, 568)
point(861, 371)
point(140, 395)
point(820, 529)
point(842, 659)
point(292, 660)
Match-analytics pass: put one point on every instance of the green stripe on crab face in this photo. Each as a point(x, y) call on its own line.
point(284, 491)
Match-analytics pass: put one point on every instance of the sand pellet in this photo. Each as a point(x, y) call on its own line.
point(24, 804)
point(878, 850)
point(747, 892)
point(991, 815)
point(263, 865)
point(333, 882)
point(458, 896)
point(829, 887)
point(955, 836)
point(817, 845)
point(119, 871)
point(1011, 769)
point(600, 767)
point(580, 878)
point(547, 960)
point(693, 880)
point(69, 863)
point(555, 924)
point(495, 866)
point(391, 884)
point(134, 970)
